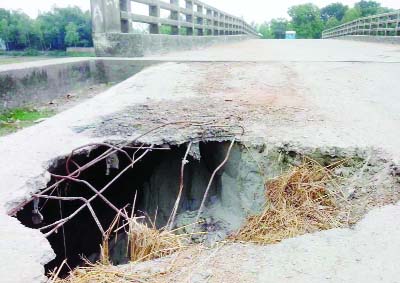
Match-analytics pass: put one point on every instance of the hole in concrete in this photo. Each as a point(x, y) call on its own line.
point(237, 192)
point(156, 180)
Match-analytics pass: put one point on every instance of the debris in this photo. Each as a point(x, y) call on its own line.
point(195, 151)
point(37, 217)
point(112, 162)
point(298, 202)
point(40, 120)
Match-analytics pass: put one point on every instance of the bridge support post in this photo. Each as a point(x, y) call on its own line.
point(200, 20)
point(216, 23)
point(125, 6)
point(154, 11)
point(209, 22)
point(175, 16)
point(189, 18)
point(106, 16)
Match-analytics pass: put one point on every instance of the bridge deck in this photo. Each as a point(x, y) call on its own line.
point(306, 93)
point(292, 50)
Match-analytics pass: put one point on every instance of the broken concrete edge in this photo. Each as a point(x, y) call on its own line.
point(41, 82)
point(139, 45)
point(372, 39)
point(36, 184)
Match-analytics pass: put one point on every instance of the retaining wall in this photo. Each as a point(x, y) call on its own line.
point(42, 82)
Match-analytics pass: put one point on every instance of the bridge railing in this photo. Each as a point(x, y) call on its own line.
point(196, 17)
point(387, 24)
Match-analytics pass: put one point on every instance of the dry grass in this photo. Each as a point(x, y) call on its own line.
point(147, 243)
point(144, 243)
point(300, 201)
point(100, 273)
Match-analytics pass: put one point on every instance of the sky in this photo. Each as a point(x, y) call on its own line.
point(251, 10)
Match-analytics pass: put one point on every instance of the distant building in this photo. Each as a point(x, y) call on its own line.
point(290, 34)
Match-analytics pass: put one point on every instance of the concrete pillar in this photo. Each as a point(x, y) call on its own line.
point(154, 11)
point(209, 26)
point(106, 16)
point(200, 20)
point(189, 18)
point(216, 23)
point(175, 16)
point(125, 6)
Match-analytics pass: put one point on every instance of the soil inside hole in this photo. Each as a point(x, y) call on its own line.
point(155, 179)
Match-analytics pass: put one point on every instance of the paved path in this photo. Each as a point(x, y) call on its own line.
point(306, 93)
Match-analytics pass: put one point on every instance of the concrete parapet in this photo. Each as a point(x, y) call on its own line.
point(139, 45)
point(377, 39)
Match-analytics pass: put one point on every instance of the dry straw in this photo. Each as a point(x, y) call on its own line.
point(298, 202)
point(144, 243)
point(100, 273)
point(147, 243)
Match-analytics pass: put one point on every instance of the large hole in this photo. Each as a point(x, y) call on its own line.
point(155, 179)
point(237, 191)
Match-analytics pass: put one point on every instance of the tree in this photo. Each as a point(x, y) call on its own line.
point(265, 30)
point(368, 8)
point(351, 15)
point(279, 27)
point(336, 10)
point(306, 20)
point(71, 35)
point(331, 23)
point(54, 25)
point(4, 32)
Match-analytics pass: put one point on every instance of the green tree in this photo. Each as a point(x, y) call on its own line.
point(306, 20)
point(71, 35)
point(23, 26)
point(336, 10)
point(265, 30)
point(279, 27)
point(4, 31)
point(54, 25)
point(368, 8)
point(351, 15)
point(331, 23)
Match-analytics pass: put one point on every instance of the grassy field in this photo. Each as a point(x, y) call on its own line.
point(20, 59)
point(17, 119)
point(10, 57)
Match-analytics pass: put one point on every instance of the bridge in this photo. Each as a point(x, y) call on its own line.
point(201, 24)
point(278, 99)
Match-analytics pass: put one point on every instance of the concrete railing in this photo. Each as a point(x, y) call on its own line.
point(378, 25)
point(197, 18)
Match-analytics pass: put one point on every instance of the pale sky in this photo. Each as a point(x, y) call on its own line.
point(252, 10)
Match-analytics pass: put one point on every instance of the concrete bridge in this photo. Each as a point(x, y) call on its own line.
point(202, 25)
point(337, 97)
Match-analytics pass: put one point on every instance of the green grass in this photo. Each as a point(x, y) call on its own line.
point(16, 119)
point(10, 57)
point(13, 59)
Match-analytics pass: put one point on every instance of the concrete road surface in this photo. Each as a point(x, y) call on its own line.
point(307, 93)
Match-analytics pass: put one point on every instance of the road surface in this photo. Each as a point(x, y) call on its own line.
point(306, 93)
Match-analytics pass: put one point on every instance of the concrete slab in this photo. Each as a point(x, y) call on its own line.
point(287, 97)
